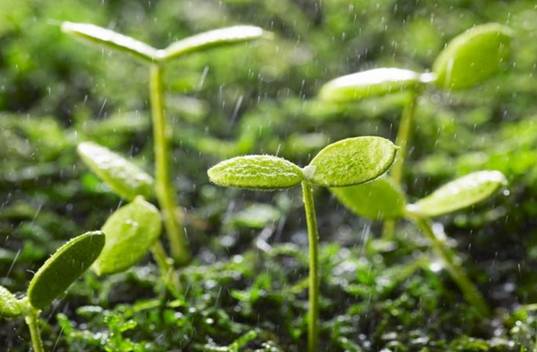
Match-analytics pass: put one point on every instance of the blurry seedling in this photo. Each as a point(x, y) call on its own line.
point(469, 59)
point(383, 199)
point(134, 229)
point(156, 59)
point(54, 277)
point(347, 162)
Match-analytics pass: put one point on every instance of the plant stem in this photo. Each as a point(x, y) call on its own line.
point(165, 265)
point(164, 187)
point(32, 320)
point(404, 134)
point(451, 262)
point(313, 292)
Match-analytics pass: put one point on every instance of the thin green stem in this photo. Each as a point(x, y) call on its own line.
point(313, 292)
point(167, 272)
point(451, 263)
point(404, 135)
point(32, 320)
point(164, 187)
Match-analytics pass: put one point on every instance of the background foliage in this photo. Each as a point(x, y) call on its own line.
point(260, 98)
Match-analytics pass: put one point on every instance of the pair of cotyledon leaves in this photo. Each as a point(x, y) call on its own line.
point(383, 199)
point(113, 40)
point(468, 60)
point(68, 263)
point(132, 229)
point(347, 162)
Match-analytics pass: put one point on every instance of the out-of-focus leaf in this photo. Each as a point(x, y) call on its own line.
point(123, 177)
point(473, 56)
point(211, 39)
point(460, 193)
point(130, 232)
point(372, 83)
point(110, 39)
point(377, 200)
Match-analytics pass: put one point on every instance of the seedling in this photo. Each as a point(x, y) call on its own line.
point(347, 162)
point(469, 59)
point(156, 59)
point(66, 265)
point(383, 199)
point(135, 228)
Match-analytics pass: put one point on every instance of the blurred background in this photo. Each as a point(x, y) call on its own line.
point(261, 98)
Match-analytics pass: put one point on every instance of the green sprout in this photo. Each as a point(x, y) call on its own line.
point(469, 59)
point(135, 228)
point(347, 162)
point(156, 59)
point(54, 277)
point(383, 199)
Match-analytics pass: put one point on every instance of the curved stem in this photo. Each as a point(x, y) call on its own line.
point(167, 271)
point(451, 263)
point(164, 187)
point(404, 134)
point(32, 320)
point(313, 292)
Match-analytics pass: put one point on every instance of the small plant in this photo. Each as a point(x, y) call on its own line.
point(54, 277)
point(347, 162)
point(135, 228)
point(156, 59)
point(469, 59)
point(383, 199)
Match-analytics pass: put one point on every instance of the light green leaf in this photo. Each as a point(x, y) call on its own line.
point(372, 83)
point(9, 304)
point(474, 56)
point(376, 200)
point(256, 216)
point(351, 161)
point(460, 193)
point(256, 172)
point(211, 39)
point(110, 39)
point(123, 177)
point(130, 232)
point(68, 263)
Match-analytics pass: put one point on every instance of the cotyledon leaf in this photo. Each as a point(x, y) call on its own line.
point(371, 83)
point(460, 193)
point(123, 177)
point(130, 232)
point(211, 39)
point(351, 161)
point(256, 172)
point(68, 263)
point(9, 304)
point(473, 56)
point(376, 200)
point(110, 39)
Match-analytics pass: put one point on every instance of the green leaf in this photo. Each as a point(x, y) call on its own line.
point(474, 56)
point(256, 172)
point(110, 39)
point(123, 177)
point(9, 304)
point(460, 193)
point(68, 263)
point(256, 216)
point(130, 232)
point(211, 39)
point(376, 200)
point(351, 161)
point(372, 83)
